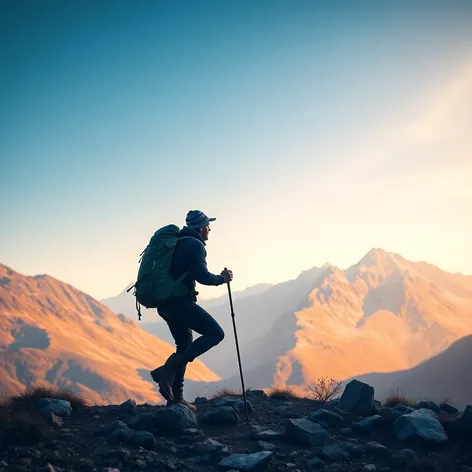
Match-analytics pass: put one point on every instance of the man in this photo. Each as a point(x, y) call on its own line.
point(182, 314)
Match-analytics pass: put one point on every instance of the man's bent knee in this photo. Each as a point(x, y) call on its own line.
point(219, 336)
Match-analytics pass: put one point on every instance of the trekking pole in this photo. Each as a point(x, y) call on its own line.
point(237, 350)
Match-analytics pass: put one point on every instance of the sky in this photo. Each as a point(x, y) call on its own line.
point(312, 131)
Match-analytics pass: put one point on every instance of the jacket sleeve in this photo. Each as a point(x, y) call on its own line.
point(199, 268)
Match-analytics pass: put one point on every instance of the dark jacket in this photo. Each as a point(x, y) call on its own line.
point(191, 254)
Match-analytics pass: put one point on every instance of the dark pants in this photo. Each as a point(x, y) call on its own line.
point(184, 316)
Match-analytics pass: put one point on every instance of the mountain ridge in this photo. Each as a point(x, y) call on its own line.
point(54, 333)
point(382, 314)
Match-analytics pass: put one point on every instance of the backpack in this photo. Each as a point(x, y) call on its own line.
point(154, 283)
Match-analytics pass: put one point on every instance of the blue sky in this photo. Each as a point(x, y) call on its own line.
point(313, 131)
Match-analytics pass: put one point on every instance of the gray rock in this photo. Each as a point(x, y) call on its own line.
point(390, 415)
point(331, 418)
point(306, 432)
point(200, 400)
point(404, 410)
point(222, 416)
point(143, 422)
point(175, 418)
point(256, 393)
point(122, 435)
point(353, 449)
point(194, 460)
point(247, 462)
point(346, 431)
point(376, 449)
point(212, 447)
point(108, 429)
point(129, 404)
point(316, 463)
point(428, 405)
point(452, 410)
point(422, 425)
point(58, 407)
point(335, 453)
point(357, 397)
point(266, 446)
point(369, 424)
point(463, 422)
point(143, 439)
point(369, 468)
point(236, 403)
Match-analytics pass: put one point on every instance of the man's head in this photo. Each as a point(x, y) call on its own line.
point(200, 222)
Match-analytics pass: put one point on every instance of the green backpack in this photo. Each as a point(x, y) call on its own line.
point(154, 283)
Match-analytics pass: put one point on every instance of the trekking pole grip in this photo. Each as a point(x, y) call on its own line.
point(230, 297)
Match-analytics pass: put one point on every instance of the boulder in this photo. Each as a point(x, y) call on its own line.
point(420, 426)
point(175, 418)
point(428, 405)
point(143, 439)
point(306, 432)
point(463, 422)
point(331, 418)
point(129, 405)
point(358, 397)
point(236, 403)
point(369, 424)
point(143, 422)
point(60, 408)
point(222, 416)
point(452, 410)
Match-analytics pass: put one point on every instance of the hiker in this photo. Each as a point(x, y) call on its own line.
point(182, 313)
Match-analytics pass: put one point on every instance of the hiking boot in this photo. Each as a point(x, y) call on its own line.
point(164, 375)
point(176, 401)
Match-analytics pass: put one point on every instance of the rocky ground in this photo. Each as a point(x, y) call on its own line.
point(354, 433)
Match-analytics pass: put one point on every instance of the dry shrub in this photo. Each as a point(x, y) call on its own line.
point(325, 389)
point(446, 399)
point(225, 392)
point(28, 398)
point(284, 393)
point(396, 397)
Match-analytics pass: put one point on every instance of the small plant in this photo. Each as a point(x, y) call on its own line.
point(325, 389)
point(28, 398)
point(284, 393)
point(225, 392)
point(446, 399)
point(396, 397)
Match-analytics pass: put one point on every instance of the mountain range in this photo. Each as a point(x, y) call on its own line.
point(383, 319)
point(53, 333)
point(383, 314)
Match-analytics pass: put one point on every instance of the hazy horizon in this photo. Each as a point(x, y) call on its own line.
point(312, 132)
